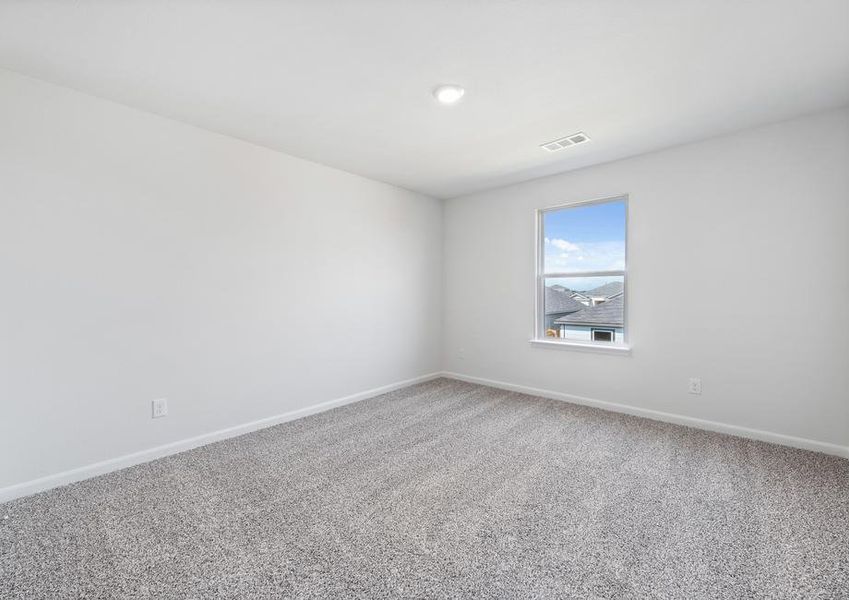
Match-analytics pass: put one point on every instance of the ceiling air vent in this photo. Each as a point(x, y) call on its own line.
point(569, 140)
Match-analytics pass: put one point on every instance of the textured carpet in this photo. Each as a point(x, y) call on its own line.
point(445, 490)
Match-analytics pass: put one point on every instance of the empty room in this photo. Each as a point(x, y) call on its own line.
point(424, 299)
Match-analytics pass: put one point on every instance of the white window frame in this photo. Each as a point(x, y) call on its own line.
point(538, 338)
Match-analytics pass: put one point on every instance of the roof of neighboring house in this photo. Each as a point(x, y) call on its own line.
point(557, 302)
point(607, 290)
point(610, 314)
point(573, 293)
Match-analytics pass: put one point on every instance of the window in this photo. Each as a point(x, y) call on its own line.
point(603, 335)
point(581, 273)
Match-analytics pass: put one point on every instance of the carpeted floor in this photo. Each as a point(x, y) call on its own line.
point(445, 490)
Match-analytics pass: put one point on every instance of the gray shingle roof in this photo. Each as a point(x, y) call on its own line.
point(560, 302)
point(609, 314)
point(607, 290)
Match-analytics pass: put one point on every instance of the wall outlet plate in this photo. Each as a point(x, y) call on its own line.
point(159, 408)
point(695, 386)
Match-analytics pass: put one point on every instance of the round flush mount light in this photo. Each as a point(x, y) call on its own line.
point(448, 93)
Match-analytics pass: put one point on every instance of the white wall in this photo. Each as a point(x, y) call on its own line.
point(142, 258)
point(582, 333)
point(739, 274)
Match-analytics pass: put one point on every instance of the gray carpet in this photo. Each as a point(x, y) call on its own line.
point(445, 490)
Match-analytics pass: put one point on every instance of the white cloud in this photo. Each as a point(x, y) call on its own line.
point(590, 256)
point(564, 245)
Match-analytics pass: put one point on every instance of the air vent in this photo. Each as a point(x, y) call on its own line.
point(569, 140)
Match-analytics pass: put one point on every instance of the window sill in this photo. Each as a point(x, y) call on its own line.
point(583, 347)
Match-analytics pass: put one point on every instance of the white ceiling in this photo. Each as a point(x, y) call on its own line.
point(347, 83)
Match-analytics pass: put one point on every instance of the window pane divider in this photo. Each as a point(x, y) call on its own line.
point(583, 274)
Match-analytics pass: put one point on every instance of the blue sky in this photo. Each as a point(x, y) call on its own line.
point(585, 238)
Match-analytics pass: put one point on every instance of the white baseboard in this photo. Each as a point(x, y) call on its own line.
point(85, 472)
point(113, 464)
point(656, 415)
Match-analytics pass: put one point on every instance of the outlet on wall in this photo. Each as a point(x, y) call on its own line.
point(159, 408)
point(695, 386)
point(461, 353)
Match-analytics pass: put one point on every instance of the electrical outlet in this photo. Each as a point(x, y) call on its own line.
point(695, 385)
point(159, 408)
point(461, 353)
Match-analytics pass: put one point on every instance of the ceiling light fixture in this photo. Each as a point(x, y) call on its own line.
point(448, 93)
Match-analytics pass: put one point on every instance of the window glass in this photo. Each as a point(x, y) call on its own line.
point(602, 335)
point(585, 238)
point(582, 283)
